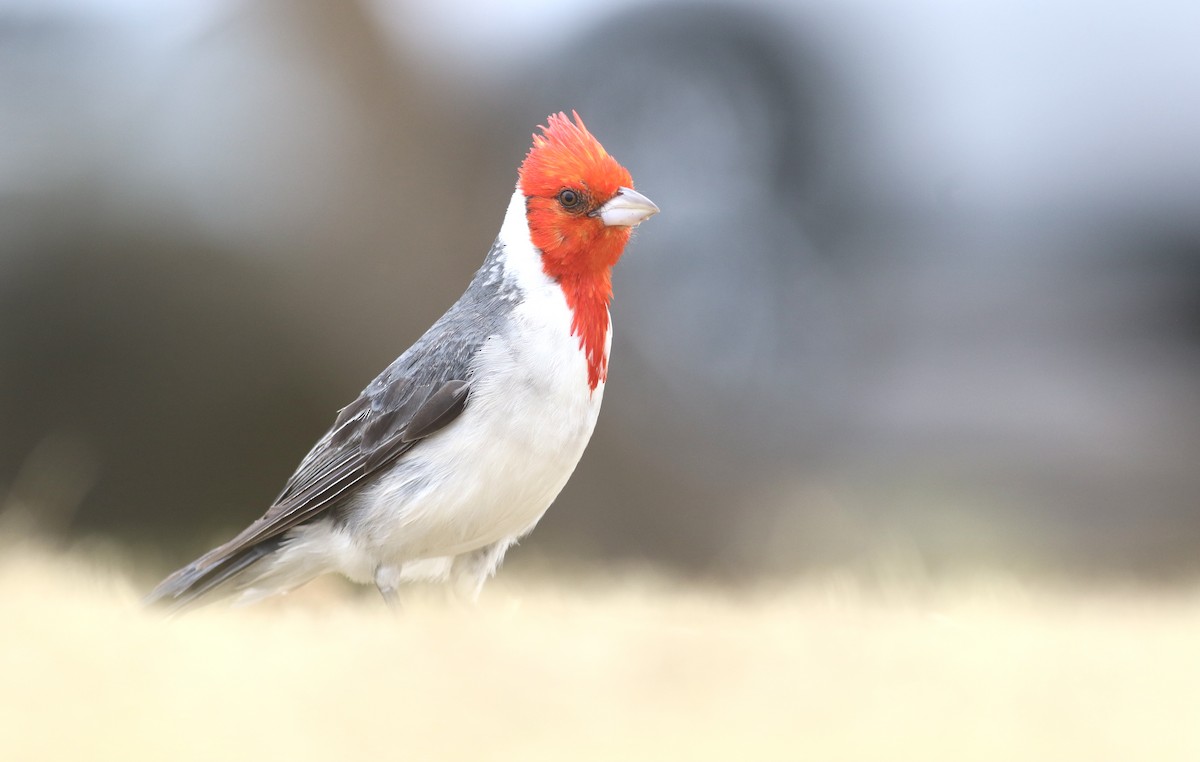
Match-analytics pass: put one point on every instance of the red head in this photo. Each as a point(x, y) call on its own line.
point(581, 208)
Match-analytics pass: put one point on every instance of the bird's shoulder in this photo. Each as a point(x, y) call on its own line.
point(418, 393)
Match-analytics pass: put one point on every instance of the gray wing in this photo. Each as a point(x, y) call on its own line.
point(419, 394)
point(370, 434)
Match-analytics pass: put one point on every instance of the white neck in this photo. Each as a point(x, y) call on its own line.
point(522, 260)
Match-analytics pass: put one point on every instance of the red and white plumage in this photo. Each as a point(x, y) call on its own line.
point(458, 448)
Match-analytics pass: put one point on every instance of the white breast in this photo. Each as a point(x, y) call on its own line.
point(494, 471)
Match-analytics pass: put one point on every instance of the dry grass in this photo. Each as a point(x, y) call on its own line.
point(586, 669)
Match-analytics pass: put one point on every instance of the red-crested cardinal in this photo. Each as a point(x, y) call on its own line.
point(457, 449)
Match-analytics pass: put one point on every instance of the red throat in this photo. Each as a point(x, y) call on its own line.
point(588, 295)
point(578, 249)
point(583, 270)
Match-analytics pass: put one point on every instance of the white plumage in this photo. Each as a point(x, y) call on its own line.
point(453, 506)
point(459, 446)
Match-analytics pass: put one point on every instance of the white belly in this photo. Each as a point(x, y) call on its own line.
point(493, 472)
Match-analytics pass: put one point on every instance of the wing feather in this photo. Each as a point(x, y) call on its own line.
point(418, 395)
point(363, 440)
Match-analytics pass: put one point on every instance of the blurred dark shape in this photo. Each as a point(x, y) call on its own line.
point(885, 317)
point(165, 367)
point(210, 244)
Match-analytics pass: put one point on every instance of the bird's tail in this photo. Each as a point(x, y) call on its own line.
point(215, 575)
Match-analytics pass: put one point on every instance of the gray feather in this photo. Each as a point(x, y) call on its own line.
point(416, 396)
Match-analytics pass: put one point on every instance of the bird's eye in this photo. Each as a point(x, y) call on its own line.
point(569, 198)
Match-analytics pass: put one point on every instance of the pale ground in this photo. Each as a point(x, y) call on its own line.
point(632, 668)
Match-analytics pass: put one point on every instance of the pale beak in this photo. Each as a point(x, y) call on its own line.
point(626, 209)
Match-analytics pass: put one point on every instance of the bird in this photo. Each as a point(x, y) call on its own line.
point(457, 449)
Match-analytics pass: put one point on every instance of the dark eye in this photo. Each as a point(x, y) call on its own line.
point(569, 198)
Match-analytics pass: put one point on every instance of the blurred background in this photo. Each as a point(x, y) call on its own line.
point(925, 288)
